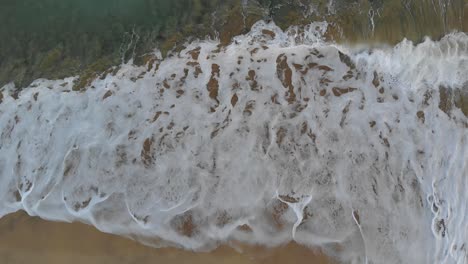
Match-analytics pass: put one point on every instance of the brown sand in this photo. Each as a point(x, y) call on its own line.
point(31, 240)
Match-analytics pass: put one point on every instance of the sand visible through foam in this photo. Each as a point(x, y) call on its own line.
point(266, 141)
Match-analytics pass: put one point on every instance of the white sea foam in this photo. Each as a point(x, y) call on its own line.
point(278, 136)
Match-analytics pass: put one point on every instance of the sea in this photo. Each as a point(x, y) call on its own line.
point(337, 125)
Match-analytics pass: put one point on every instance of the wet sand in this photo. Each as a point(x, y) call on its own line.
point(25, 239)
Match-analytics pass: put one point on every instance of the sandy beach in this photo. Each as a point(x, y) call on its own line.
point(25, 239)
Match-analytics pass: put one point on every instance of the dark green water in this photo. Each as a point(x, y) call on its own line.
point(58, 38)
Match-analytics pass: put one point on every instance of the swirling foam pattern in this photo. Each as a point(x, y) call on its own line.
point(278, 136)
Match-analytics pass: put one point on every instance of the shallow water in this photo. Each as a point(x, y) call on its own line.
point(55, 39)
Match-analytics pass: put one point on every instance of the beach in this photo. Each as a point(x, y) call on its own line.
point(26, 239)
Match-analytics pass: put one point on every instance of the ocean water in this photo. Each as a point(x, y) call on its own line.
point(278, 136)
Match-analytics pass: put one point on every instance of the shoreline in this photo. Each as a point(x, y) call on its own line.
point(30, 239)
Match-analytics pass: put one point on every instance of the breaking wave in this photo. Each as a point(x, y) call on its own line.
point(278, 136)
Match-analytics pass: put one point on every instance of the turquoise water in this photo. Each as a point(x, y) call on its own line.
point(56, 38)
